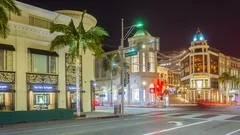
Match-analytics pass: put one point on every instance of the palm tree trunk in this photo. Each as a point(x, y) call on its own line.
point(111, 96)
point(78, 104)
point(227, 92)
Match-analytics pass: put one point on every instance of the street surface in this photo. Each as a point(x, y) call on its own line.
point(190, 121)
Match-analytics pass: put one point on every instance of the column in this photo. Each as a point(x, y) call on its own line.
point(204, 94)
point(209, 95)
point(217, 96)
point(194, 96)
point(61, 80)
point(21, 69)
point(88, 68)
point(129, 94)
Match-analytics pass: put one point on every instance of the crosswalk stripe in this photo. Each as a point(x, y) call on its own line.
point(219, 117)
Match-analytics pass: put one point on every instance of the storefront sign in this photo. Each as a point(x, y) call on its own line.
point(43, 88)
point(71, 88)
point(5, 87)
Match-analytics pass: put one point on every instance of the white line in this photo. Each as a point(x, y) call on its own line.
point(170, 129)
point(233, 132)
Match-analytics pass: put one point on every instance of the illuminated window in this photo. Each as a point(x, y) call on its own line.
point(135, 63)
point(40, 22)
point(42, 63)
point(213, 64)
point(198, 63)
point(143, 62)
point(6, 60)
point(152, 61)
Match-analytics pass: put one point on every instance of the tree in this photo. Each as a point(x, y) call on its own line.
point(78, 40)
point(225, 79)
point(7, 6)
point(111, 63)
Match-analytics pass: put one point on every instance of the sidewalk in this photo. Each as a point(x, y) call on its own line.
point(102, 112)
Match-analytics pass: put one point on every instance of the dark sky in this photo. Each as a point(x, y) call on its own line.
point(174, 21)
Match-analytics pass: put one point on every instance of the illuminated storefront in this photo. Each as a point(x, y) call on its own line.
point(6, 96)
point(42, 96)
point(71, 96)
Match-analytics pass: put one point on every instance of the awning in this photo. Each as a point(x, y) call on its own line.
point(43, 52)
point(7, 47)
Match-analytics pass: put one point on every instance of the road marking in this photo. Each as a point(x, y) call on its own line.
point(170, 129)
point(176, 123)
point(233, 132)
point(69, 126)
point(105, 128)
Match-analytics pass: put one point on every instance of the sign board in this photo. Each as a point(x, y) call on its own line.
point(4, 87)
point(43, 88)
point(102, 95)
point(132, 53)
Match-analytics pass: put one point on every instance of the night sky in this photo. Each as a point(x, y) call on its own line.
point(174, 21)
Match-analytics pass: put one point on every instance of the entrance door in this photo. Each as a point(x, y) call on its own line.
point(2, 103)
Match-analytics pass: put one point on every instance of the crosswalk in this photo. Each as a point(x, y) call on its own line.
point(206, 116)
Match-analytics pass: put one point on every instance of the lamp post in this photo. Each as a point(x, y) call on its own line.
point(122, 59)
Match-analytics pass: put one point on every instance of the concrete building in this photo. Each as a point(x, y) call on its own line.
point(142, 70)
point(201, 68)
point(31, 77)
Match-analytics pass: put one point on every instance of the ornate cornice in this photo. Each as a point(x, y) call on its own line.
point(31, 32)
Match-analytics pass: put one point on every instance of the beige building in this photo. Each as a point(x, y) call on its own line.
point(31, 77)
point(201, 68)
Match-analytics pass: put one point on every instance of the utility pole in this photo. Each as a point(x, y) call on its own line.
point(122, 68)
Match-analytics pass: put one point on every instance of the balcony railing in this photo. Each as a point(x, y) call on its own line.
point(7, 76)
point(37, 78)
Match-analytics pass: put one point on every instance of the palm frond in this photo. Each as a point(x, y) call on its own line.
point(60, 42)
point(72, 28)
point(80, 27)
point(11, 6)
point(59, 28)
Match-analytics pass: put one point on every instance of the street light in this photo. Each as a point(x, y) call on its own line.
point(121, 57)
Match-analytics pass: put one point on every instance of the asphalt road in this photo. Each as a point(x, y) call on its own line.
point(163, 123)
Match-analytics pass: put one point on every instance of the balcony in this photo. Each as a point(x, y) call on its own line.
point(40, 78)
point(7, 76)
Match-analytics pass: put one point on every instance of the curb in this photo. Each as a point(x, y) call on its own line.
point(109, 117)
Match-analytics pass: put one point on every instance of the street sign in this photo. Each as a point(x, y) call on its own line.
point(102, 95)
point(126, 67)
point(132, 53)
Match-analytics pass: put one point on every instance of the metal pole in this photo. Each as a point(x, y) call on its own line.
point(122, 68)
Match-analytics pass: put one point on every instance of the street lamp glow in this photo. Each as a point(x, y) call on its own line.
point(114, 64)
point(143, 46)
point(139, 25)
point(144, 83)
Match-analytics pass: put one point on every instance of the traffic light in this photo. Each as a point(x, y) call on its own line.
point(149, 66)
point(127, 78)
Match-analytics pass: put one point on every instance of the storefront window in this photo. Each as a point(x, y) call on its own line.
point(135, 95)
point(42, 100)
point(6, 99)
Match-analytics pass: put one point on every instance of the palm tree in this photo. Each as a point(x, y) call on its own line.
point(111, 63)
point(225, 79)
point(5, 7)
point(78, 40)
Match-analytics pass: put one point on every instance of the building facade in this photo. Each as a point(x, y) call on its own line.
point(142, 70)
point(32, 77)
point(201, 67)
